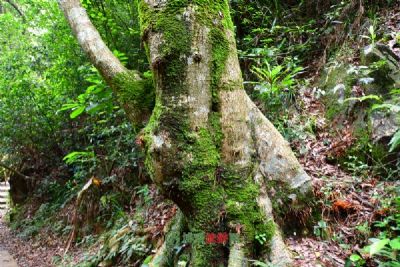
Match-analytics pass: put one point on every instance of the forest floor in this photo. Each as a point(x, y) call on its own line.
point(36, 252)
point(25, 252)
point(349, 197)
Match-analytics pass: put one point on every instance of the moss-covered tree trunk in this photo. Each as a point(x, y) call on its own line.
point(208, 147)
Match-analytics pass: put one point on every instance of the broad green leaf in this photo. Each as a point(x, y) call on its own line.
point(393, 264)
point(395, 243)
point(148, 259)
point(355, 257)
point(77, 112)
point(94, 108)
point(395, 91)
point(69, 106)
point(395, 141)
point(77, 155)
point(276, 70)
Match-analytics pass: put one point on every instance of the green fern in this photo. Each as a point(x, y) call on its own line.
point(395, 141)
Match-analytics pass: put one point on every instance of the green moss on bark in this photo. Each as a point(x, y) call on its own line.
point(203, 156)
point(173, 239)
point(220, 52)
point(199, 183)
point(216, 129)
point(242, 207)
point(137, 93)
point(205, 255)
point(212, 9)
point(148, 140)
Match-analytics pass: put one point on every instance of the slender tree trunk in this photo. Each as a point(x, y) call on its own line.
point(207, 145)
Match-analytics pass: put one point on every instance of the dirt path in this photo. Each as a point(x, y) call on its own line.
point(6, 260)
point(15, 252)
point(25, 252)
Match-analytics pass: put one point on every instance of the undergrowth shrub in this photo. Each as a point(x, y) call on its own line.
point(384, 247)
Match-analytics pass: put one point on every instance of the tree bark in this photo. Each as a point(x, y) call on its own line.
point(207, 145)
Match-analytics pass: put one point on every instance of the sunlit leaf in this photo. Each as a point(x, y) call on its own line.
point(395, 141)
point(77, 112)
point(377, 246)
point(355, 257)
point(395, 243)
point(363, 98)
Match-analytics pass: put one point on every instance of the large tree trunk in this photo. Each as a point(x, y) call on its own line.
point(207, 145)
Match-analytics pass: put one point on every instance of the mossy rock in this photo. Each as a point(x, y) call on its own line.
point(384, 124)
point(387, 74)
point(337, 84)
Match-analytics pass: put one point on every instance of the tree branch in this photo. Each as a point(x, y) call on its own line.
point(11, 3)
point(90, 40)
point(120, 79)
point(14, 171)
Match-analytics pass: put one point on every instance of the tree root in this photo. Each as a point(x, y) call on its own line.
point(166, 254)
point(279, 254)
point(277, 160)
point(237, 256)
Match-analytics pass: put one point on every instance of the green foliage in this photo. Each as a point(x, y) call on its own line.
point(37, 76)
point(264, 31)
point(29, 227)
point(144, 192)
point(321, 230)
point(78, 156)
point(276, 86)
point(384, 249)
point(121, 244)
point(356, 166)
point(262, 238)
point(118, 23)
point(395, 141)
point(372, 35)
point(43, 74)
point(366, 157)
point(96, 98)
point(364, 98)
